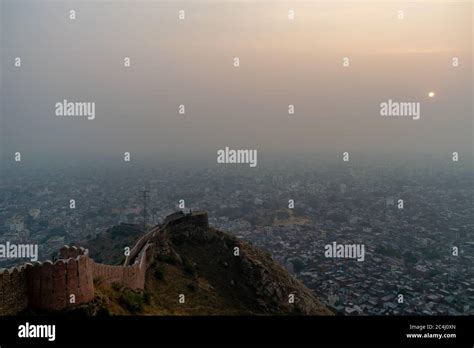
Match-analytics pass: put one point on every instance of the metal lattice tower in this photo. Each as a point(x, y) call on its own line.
point(145, 197)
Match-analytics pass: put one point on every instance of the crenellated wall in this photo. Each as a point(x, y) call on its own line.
point(68, 282)
point(47, 285)
point(13, 290)
point(64, 283)
point(67, 252)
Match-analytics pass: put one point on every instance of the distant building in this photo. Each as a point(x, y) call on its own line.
point(34, 213)
point(197, 218)
point(16, 224)
point(421, 271)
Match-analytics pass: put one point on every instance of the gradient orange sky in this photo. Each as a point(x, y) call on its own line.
point(282, 62)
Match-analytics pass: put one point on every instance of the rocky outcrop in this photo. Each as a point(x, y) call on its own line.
point(239, 270)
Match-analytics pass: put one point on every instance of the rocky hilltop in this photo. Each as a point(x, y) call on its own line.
point(198, 270)
point(181, 267)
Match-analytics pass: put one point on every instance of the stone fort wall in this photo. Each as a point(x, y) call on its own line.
point(13, 290)
point(47, 285)
point(131, 277)
point(195, 218)
point(140, 244)
point(68, 281)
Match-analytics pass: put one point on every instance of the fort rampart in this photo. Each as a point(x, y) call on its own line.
point(69, 281)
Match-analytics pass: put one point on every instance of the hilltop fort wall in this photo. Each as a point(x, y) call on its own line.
point(131, 277)
point(195, 218)
point(69, 281)
point(13, 290)
point(139, 245)
point(47, 285)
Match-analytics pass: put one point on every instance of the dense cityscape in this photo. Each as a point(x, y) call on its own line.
point(414, 220)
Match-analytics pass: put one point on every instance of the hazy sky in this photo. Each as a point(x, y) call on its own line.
point(190, 62)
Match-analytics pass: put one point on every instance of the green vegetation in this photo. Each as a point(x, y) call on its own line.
point(158, 273)
point(158, 269)
point(116, 286)
point(147, 297)
point(103, 312)
point(122, 231)
point(188, 267)
point(169, 260)
point(298, 265)
point(132, 301)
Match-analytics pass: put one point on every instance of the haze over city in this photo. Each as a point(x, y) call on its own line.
point(303, 128)
point(190, 63)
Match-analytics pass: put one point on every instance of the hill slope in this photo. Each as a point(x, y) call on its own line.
point(217, 274)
